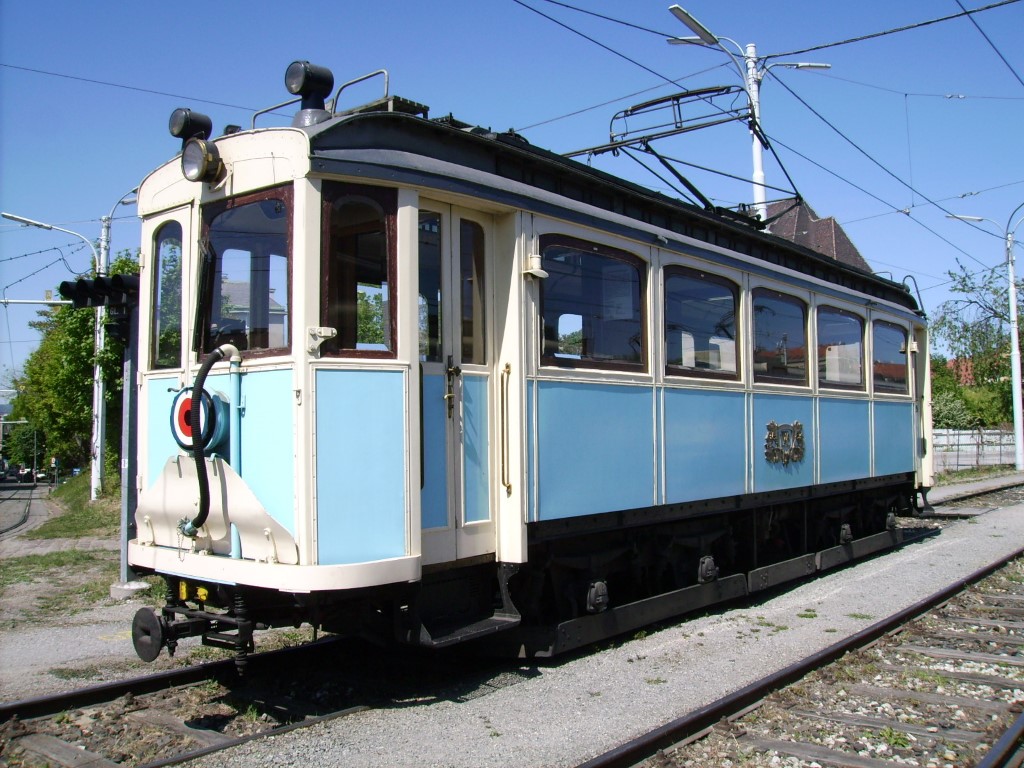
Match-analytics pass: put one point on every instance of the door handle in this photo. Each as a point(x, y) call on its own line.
point(449, 392)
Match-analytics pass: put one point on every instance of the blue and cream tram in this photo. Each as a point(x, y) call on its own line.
point(412, 378)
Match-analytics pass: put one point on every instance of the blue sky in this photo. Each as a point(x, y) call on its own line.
point(934, 108)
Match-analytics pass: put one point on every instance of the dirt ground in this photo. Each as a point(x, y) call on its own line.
point(59, 629)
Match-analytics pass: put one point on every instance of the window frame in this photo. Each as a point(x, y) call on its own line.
point(157, 305)
point(763, 378)
point(822, 382)
point(670, 270)
point(210, 212)
point(386, 199)
point(625, 257)
point(883, 389)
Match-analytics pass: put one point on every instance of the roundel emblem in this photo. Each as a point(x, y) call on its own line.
point(181, 423)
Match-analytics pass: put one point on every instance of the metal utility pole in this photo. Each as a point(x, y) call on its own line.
point(1015, 372)
point(751, 73)
point(99, 338)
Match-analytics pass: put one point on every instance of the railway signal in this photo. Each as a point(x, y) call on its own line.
point(113, 291)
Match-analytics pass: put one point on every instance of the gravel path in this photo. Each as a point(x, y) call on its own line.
point(580, 708)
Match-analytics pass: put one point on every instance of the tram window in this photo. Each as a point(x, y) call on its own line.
point(359, 299)
point(471, 277)
point(840, 349)
point(165, 345)
point(700, 324)
point(591, 305)
point(246, 274)
point(890, 358)
point(430, 287)
point(780, 338)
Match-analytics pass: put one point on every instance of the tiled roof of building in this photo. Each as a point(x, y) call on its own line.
point(800, 224)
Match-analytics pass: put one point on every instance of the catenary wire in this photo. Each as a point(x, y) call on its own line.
point(895, 209)
point(992, 45)
point(125, 87)
point(896, 30)
point(864, 152)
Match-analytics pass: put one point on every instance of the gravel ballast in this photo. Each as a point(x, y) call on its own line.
point(562, 712)
point(568, 712)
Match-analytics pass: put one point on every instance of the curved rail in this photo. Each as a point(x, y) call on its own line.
point(24, 515)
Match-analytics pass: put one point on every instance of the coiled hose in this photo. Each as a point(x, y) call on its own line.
point(190, 528)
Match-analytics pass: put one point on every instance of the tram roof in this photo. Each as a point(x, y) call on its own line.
point(365, 142)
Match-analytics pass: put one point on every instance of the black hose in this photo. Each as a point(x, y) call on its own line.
point(190, 529)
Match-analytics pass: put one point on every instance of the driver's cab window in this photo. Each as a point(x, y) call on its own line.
point(245, 277)
point(358, 289)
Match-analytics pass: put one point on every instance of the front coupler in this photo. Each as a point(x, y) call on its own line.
point(231, 630)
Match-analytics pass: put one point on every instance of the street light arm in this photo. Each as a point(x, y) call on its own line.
point(1011, 230)
point(123, 201)
point(41, 225)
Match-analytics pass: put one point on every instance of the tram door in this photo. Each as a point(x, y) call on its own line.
point(455, 376)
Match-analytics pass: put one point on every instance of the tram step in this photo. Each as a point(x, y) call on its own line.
point(499, 622)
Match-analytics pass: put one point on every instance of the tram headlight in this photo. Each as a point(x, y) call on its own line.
point(200, 161)
point(313, 83)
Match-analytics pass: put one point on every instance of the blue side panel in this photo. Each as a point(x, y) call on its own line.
point(434, 496)
point(160, 445)
point(268, 452)
point(845, 439)
point(894, 438)
point(782, 409)
point(595, 447)
point(474, 449)
point(531, 437)
point(360, 466)
point(705, 444)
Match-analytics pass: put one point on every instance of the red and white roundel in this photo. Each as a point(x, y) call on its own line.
point(181, 425)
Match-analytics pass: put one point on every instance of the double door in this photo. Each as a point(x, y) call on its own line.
point(455, 383)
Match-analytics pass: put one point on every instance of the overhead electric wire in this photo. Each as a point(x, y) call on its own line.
point(941, 200)
point(723, 65)
point(992, 45)
point(612, 19)
point(806, 105)
point(864, 152)
point(126, 87)
point(895, 209)
point(894, 31)
point(946, 96)
point(611, 50)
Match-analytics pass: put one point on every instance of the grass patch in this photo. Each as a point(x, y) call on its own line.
point(30, 567)
point(76, 580)
point(71, 673)
point(80, 517)
point(974, 473)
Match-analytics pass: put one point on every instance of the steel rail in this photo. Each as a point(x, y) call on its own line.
point(1004, 751)
point(104, 692)
point(184, 757)
point(690, 724)
point(13, 498)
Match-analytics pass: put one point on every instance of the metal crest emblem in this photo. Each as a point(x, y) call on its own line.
point(784, 443)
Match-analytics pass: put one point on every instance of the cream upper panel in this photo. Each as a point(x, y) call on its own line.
point(252, 160)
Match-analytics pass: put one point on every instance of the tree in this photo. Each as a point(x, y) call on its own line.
point(370, 317)
point(975, 327)
point(54, 392)
point(950, 409)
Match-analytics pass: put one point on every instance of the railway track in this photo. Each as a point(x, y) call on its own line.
point(175, 716)
point(938, 684)
point(165, 718)
point(16, 501)
point(179, 715)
